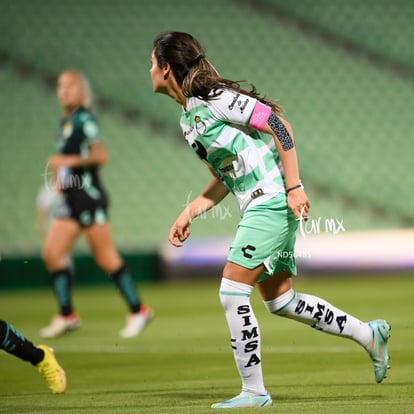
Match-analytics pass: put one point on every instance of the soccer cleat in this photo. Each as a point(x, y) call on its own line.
point(136, 322)
point(246, 400)
point(60, 325)
point(51, 371)
point(379, 348)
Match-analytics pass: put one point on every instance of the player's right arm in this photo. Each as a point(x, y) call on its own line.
point(98, 155)
point(214, 192)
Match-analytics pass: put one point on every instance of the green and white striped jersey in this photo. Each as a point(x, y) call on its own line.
point(244, 158)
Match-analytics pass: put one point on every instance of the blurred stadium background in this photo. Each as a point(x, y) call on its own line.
point(344, 72)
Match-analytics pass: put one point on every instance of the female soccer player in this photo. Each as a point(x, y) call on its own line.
point(84, 209)
point(250, 151)
point(42, 357)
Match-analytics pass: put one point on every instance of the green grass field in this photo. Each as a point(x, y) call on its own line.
point(183, 362)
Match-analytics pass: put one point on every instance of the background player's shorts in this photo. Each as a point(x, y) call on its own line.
point(84, 209)
point(266, 234)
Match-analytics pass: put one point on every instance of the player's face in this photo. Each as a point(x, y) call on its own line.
point(159, 82)
point(70, 90)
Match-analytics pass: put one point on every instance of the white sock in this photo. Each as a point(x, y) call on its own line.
point(245, 334)
point(321, 315)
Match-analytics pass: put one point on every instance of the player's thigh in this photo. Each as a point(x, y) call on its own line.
point(238, 273)
point(60, 237)
point(99, 237)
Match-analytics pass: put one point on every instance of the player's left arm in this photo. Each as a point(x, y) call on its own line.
point(241, 109)
point(263, 119)
point(283, 137)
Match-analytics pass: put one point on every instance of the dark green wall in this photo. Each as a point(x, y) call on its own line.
point(29, 272)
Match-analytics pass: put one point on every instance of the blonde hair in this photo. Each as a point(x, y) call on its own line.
point(87, 101)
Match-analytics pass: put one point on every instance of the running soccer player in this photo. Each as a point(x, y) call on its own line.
point(250, 150)
point(84, 209)
point(42, 357)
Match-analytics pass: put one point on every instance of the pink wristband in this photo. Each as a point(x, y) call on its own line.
point(259, 116)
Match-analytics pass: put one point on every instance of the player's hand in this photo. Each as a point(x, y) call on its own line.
point(298, 202)
point(180, 230)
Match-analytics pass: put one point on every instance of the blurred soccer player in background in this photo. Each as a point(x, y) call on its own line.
point(250, 151)
point(42, 357)
point(83, 209)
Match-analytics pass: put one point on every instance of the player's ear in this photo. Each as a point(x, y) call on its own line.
point(166, 70)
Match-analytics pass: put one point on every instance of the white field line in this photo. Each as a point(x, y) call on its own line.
point(115, 349)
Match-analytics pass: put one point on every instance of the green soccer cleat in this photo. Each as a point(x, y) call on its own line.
point(379, 348)
point(51, 371)
point(246, 400)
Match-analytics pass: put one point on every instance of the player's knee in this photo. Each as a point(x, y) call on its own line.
point(225, 301)
point(108, 262)
point(54, 259)
point(276, 306)
point(49, 256)
point(231, 293)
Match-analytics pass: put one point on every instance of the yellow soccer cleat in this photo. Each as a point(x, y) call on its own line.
point(51, 371)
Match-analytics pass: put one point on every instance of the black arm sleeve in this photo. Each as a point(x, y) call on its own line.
point(281, 132)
